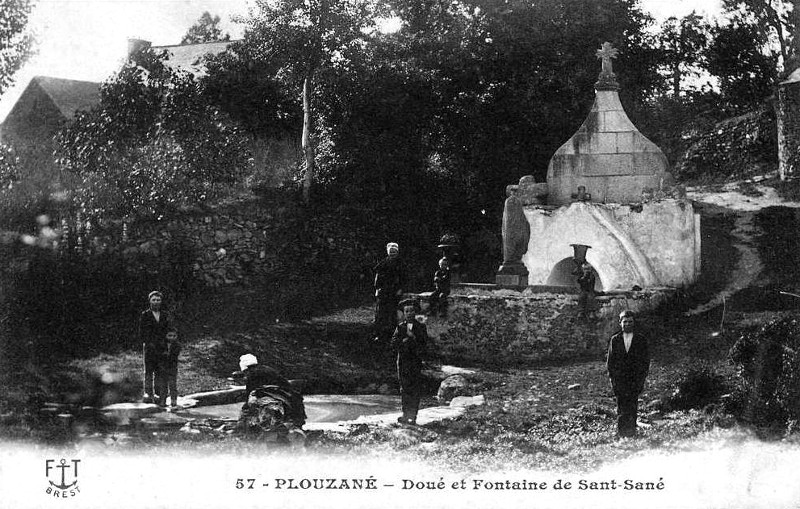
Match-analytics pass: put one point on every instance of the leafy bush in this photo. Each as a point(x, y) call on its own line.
point(152, 144)
point(768, 361)
point(68, 302)
point(696, 388)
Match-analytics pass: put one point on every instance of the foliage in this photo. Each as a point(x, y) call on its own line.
point(696, 388)
point(205, 29)
point(746, 74)
point(473, 95)
point(302, 38)
point(682, 42)
point(152, 144)
point(30, 186)
point(775, 21)
point(16, 42)
point(768, 363)
point(65, 302)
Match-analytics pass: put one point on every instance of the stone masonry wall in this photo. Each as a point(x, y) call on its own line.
point(788, 122)
point(513, 327)
point(738, 147)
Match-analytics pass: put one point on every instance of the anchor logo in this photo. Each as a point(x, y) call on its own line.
point(63, 466)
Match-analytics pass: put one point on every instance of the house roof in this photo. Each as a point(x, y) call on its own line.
point(67, 95)
point(189, 57)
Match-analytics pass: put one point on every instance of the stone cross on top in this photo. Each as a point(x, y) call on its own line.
point(607, 80)
point(606, 53)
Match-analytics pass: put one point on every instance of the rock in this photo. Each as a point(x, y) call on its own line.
point(122, 413)
point(187, 428)
point(452, 386)
point(296, 437)
point(236, 394)
point(384, 389)
point(406, 436)
point(465, 401)
point(455, 370)
point(574, 387)
point(163, 421)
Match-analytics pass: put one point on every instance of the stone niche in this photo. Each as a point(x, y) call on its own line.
point(653, 244)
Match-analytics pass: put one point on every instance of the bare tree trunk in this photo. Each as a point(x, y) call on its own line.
point(308, 146)
point(676, 80)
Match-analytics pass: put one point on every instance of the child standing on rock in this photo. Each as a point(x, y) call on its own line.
point(409, 342)
point(441, 285)
point(169, 370)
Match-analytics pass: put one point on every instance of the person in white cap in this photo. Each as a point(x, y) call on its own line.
point(389, 281)
point(258, 376)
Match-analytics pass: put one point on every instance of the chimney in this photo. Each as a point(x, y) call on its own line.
point(136, 45)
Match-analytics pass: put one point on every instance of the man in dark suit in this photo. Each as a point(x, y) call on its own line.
point(153, 328)
point(628, 365)
point(409, 342)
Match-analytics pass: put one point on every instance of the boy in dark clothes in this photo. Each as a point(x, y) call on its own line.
point(168, 370)
point(441, 285)
point(409, 342)
point(152, 333)
point(628, 364)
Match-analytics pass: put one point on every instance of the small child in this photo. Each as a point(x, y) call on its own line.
point(441, 284)
point(586, 298)
point(409, 342)
point(169, 369)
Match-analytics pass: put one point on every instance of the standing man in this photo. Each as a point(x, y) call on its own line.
point(389, 281)
point(628, 365)
point(409, 342)
point(153, 328)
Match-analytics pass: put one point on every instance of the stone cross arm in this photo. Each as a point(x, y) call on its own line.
point(606, 53)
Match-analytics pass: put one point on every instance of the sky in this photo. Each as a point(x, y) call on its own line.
point(87, 39)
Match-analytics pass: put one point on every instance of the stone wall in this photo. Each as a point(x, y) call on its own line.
point(305, 260)
point(299, 263)
point(788, 123)
point(739, 147)
point(511, 327)
point(226, 247)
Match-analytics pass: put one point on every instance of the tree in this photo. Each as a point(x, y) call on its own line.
point(301, 38)
point(775, 20)
point(682, 43)
point(205, 29)
point(152, 144)
point(746, 72)
point(16, 43)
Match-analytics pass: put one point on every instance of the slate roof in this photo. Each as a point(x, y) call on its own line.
point(67, 95)
point(189, 57)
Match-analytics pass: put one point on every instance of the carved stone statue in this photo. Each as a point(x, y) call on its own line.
point(516, 233)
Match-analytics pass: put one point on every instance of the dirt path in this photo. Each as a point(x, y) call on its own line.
point(748, 271)
point(748, 267)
